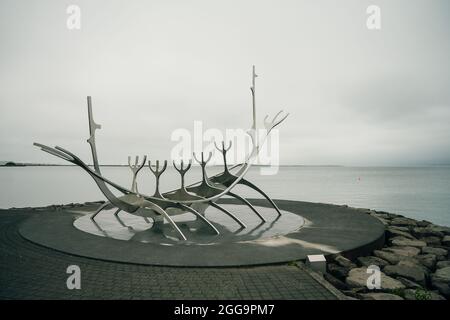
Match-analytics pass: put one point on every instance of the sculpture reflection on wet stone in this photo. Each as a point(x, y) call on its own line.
point(194, 198)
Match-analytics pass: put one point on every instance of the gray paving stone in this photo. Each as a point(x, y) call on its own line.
point(29, 271)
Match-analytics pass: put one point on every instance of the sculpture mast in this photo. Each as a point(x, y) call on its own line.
point(253, 132)
point(92, 127)
point(253, 89)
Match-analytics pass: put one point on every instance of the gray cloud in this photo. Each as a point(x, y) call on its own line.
point(356, 97)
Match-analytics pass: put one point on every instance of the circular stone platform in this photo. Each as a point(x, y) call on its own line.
point(304, 228)
point(128, 227)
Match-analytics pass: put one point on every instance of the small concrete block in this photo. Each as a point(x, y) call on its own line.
point(317, 262)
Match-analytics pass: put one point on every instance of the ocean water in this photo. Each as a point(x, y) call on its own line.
point(416, 192)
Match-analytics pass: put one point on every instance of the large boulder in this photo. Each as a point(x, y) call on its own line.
point(428, 260)
point(392, 215)
point(442, 287)
point(444, 230)
point(388, 256)
point(404, 251)
point(380, 296)
point(446, 241)
point(394, 255)
point(354, 292)
point(440, 280)
point(409, 284)
point(408, 270)
point(404, 229)
point(344, 262)
point(406, 222)
point(338, 271)
point(426, 232)
point(371, 260)
point(431, 240)
point(442, 264)
point(357, 278)
point(385, 216)
point(442, 275)
point(392, 232)
point(335, 282)
point(405, 242)
point(438, 252)
point(423, 223)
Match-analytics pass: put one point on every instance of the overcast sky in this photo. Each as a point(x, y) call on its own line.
point(356, 96)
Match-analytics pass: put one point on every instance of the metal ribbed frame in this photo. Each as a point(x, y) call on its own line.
point(194, 198)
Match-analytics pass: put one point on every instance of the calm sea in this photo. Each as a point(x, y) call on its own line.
point(416, 192)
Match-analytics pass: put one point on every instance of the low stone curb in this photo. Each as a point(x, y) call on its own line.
point(319, 278)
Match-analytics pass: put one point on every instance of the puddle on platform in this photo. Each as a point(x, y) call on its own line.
point(130, 227)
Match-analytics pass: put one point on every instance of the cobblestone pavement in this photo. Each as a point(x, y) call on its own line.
point(29, 271)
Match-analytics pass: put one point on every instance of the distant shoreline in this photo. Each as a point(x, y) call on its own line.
point(20, 165)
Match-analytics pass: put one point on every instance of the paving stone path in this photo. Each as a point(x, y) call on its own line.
point(29, 271)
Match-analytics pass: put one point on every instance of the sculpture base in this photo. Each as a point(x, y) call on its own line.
point(128, 227)
point(304, 229)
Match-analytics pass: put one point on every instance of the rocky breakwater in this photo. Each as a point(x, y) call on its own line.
point(414, 264)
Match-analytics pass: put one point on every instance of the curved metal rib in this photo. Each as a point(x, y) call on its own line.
point(100, 181)
point(116, 215)
point(103, 206)
point(146, 220)
point(205, 188)
point(234, 195)
point(251, 185)
point(227, 178)
point(100, 229)
point(187, 208)
point(215, 205)
point(117, 212)
point(161, 211)
point(275, 122)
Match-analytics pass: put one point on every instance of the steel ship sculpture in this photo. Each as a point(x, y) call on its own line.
point(195, 198)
